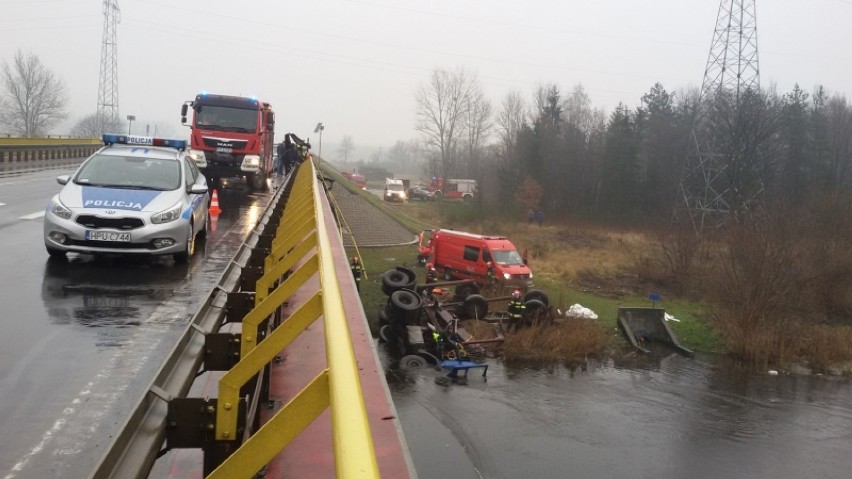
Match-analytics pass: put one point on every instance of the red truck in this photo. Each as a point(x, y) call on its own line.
point(356, 178)
point(232, 136)
point(453, 188)
point(460, 255)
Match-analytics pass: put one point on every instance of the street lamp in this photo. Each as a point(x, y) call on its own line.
point(130, 118)
point(320, 127)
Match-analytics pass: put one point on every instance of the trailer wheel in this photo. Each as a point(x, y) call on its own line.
point(383, 316)
point(475, 306)
point(393, 280)
point(412, 361)
point(537, 294)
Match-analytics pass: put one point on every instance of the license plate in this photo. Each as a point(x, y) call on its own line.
point(224, 150)
point(113, 236)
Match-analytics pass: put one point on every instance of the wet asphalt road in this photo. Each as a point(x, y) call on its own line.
point(83, 338)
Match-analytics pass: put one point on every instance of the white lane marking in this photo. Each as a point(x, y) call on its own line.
point(70, 437)
point(32, 216)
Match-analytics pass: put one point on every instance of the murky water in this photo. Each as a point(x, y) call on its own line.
point(670, 418)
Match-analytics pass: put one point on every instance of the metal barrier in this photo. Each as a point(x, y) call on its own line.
point(16, 150)
point(295, 256)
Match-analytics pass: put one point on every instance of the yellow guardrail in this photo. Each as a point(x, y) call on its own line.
point(300, 252)
point(35, 142)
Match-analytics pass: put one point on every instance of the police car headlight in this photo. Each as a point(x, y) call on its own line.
point(507, 276)
point(59, 209)
point(166, 216)
point(251, 161)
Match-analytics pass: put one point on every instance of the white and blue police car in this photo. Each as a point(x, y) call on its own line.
point(136, 196)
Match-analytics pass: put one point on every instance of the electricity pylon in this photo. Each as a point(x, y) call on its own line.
point(718, 180)
point(107, 112)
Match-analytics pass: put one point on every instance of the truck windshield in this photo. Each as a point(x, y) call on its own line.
point(395, 187)
point(507, 256)
point(211, 117)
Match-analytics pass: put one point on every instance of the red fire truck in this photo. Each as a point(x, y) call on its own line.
point(453, 188)
point(356, 178)
point(232, 136)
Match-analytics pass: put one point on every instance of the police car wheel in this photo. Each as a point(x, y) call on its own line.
point(188, 248)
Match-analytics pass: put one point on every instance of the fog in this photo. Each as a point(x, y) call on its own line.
point(355, 65)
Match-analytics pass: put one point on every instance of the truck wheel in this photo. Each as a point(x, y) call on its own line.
point(439, 196)
point(537, 294)
point(411, 274)
point(536, 312)
point(393, 280)
point(412, 361)
point(475, 306)
point(386, 334)
point(465, 290)
point(406, 300)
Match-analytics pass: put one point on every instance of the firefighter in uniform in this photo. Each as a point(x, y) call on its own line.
point(431, 274)
point(355, 265)
point(516, 309)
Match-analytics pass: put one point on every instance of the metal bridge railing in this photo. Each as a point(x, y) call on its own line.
point(300, 251)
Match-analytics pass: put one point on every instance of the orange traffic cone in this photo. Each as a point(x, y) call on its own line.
point(214, 204)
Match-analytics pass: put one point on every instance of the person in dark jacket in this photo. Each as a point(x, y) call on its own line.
point(291, 155)
point(279, 165)
point(516, 309)
point(355, 266)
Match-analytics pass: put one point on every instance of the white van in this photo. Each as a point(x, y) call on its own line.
point(394, 190)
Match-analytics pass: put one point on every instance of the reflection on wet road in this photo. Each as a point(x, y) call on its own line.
point(677, 418)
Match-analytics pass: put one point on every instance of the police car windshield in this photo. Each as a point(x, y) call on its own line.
point(129, 172)
point(223, 118)
point(507, 256)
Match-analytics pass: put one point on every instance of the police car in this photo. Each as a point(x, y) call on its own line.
point(136, 195)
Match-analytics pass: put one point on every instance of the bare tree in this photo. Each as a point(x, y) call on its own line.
point(94, 125)
point(33, 98)
point(477, 128)
point(346, 147)
point(511, 120)
point(441, 109)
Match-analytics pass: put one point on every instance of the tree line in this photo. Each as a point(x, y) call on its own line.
point(633, 163)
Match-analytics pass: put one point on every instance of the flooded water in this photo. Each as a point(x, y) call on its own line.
point(670, 418)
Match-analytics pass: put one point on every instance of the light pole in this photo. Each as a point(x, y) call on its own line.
point(130, 119)
point(320, 127)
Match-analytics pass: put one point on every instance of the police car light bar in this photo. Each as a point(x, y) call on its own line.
point(112, 139)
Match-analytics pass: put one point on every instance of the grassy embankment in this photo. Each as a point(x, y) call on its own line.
point(573, 264)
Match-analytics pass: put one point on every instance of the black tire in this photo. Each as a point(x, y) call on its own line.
point(383, 317)
point(465, 290)
point(536, 312)
point(393, 280)
point(537, 294)
point(56, 253)
point(411, 274)
point(475, 307)
point(439, 196)
point(188, 248)
point(448, 274)
point(412, 361)
point(406, 300)
point(387, 334)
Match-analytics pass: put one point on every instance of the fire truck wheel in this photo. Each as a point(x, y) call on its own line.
point(412, 361)
point(475, 306)
point(393, 280)
point(448, 274)
point(537, 294)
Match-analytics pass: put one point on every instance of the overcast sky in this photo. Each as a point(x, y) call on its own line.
point(355, 64)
